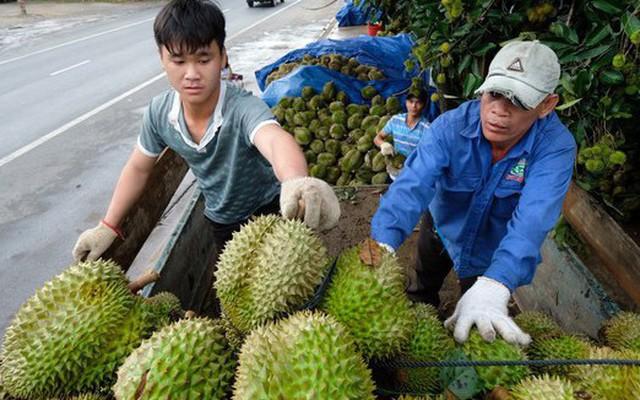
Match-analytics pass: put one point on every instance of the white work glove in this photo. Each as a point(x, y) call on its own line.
point(93, 242)
point(387, 247)
point(387, 149)
point(311, 200)
point(485, 305)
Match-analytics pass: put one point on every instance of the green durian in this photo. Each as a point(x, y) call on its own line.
point(308, 92)
point(326, 159)
point(623, 331)
point(392, 105)
point(337, 131)
point(186, 360)
point(329, 91)
point(380, 178)
point(318, 171)
point(429, 341)
point(477, 349)
point(609, 381)
point(563, 347)
point(538, 325)
point(233, 335)
point(354, 121)
point(353, 109)
point(317, 146)
point(368, 92)
point(298, 104)
point(333, 173)
point(543, 387)
point(88, 396)
point(436, 397)
point(336, 106)
point(306, 356)
point(370, 301)
point(369, 121)
point(302, 136)
point(164, 308)
point(56, 342)
point(342, 96)
point(270, 267)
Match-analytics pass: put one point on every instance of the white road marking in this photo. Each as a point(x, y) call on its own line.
point(75, 41)
point(69, 68)
point(25, 149)
point(71, 124)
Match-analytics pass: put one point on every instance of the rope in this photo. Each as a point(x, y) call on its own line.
point(315, 300)
point(403, 363)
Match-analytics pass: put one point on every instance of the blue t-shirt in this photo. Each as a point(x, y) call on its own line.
point(405, 139)
point(492, 217)
point(234, 177)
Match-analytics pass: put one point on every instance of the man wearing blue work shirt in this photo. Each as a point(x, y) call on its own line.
point(493, 174)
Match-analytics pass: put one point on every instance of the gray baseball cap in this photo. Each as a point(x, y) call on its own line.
point(524, 72)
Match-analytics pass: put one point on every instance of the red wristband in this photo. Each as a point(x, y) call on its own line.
point(113, 228)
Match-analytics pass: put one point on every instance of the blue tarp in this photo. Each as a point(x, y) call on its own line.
point(352, 14)
point(387, 53)
point(316, 77)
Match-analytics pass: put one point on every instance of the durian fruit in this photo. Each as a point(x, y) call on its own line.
point(436, 397)
point(73, 333)
point(623, 331)
point(270, 267)
point(164, 308)
point(88, 396)
point(189, 359)
point(233, 335)
point(308, 355)
point(368, 297)
point(543, 387)
point(609, 381)
point(563, 347)
point(430, 341)
point(477, 349)
point(538, 325)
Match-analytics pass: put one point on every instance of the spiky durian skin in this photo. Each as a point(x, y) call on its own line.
point(563, 347)
point(189, 359)
point(543, 387)
point(370, 301)
point(309, 355)
point(88, 396)
point(605, 382)
point(436, 397)
point(429, 342)
point(61, 330)
point(623, 331)
point(538, 325)
point(233, 335)
point(163, 309)
point(477, 349)
point(270, 267)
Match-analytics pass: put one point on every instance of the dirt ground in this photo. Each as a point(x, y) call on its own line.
point(38, 11)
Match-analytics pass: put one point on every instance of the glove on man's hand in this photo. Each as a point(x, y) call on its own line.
point(319, 207)
point(485, 305)
point(387, 149)
point(93, 242)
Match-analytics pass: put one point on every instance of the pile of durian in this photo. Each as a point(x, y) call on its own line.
point(295, 325)
point(337, 137)
point(334, 61)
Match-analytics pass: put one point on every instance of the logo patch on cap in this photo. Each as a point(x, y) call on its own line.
point(516, 65)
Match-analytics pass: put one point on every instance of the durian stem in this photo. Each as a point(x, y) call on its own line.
point(143, 280)
point(189, 314)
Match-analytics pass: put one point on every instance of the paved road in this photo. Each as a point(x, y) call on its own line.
point(72, 102)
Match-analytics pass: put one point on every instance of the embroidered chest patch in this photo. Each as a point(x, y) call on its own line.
point(517, 171)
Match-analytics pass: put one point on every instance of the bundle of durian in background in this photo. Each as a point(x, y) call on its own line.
point(337, 62)
point(337, 136)
point(71, 336)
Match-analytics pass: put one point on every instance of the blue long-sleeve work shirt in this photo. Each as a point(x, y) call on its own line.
point(491, 217)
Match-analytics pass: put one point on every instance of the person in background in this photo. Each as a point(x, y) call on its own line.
point(492, 174)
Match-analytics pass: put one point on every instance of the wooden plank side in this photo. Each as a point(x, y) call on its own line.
point(167, 173)
point(619, 253)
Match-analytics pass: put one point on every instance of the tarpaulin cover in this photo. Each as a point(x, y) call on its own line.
point(316, 77)
point(352, 14)
point(387, 53)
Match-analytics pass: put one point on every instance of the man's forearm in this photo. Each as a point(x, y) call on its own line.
point(128, 190)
